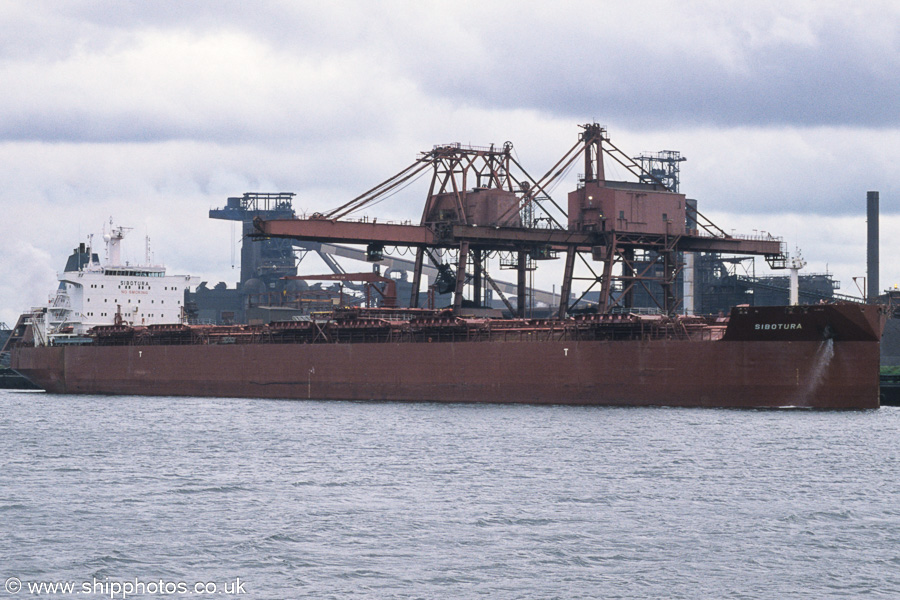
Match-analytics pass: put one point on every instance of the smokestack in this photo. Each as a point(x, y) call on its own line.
point(688, 292)
point(872, 288)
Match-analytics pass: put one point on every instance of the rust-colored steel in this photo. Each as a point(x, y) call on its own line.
point(822, 357)
point(390, 288)
point(494, 238)
point(350, 232)
point(474, 199)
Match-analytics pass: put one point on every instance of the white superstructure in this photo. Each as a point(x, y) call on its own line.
point(91, 293)
point(794, 264)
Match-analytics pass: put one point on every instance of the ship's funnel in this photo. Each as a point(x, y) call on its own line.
point(690, 225)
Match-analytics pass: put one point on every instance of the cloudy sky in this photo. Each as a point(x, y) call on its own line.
point(154, 112)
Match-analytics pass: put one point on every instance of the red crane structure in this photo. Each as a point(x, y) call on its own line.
point(482, 202)
point(388, 295)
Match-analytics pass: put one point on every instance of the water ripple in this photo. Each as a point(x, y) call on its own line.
point(358, 500)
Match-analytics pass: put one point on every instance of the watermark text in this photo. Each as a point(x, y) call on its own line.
point(124, 588)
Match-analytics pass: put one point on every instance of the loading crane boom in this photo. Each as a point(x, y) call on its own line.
point(476, 204)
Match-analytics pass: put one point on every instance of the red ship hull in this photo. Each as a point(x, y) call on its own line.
point(830, 363)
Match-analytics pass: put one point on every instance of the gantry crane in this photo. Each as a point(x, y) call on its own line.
point(476, 202)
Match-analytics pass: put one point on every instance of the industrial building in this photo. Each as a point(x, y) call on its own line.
point(654, 268)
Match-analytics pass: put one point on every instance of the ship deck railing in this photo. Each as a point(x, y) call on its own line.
point(441, 328)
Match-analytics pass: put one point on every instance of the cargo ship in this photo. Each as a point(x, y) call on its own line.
point(820, 356)
point(640, 235)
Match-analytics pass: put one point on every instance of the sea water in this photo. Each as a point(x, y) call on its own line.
point(152, 497)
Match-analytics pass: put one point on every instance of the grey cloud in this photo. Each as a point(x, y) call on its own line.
point(578, 61)
point(845, 80)
point(50, 29)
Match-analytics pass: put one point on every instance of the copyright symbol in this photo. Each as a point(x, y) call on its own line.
point(13, 585)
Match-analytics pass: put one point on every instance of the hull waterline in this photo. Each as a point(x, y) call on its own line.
point(743, 374)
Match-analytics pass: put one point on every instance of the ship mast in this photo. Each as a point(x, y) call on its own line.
point(113, 241)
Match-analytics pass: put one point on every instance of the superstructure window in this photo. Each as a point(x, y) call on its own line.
point(132, 273)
